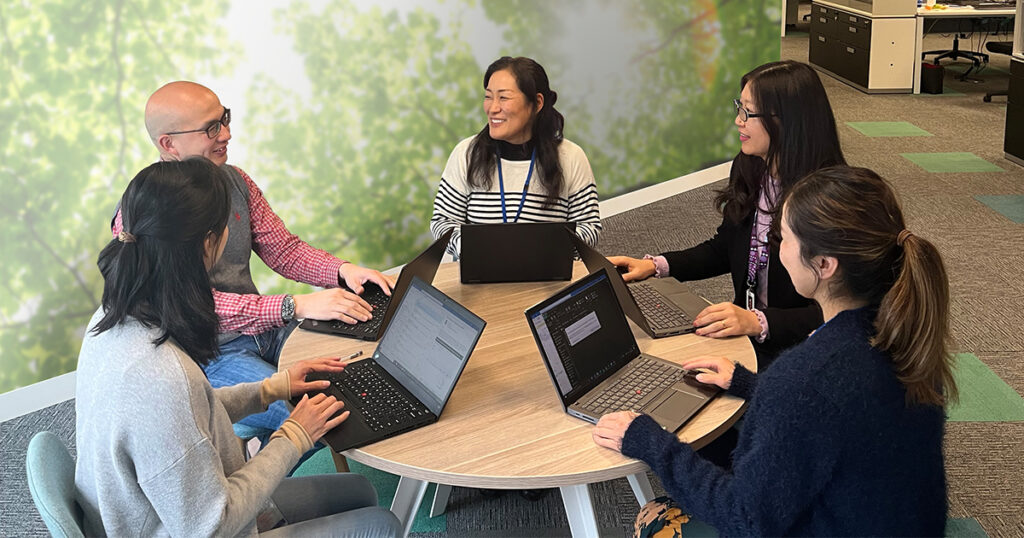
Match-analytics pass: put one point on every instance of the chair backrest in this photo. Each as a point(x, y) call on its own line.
point(51, 479)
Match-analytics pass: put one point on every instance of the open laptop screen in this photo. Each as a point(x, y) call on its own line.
point(583, 335)
point(428, 342)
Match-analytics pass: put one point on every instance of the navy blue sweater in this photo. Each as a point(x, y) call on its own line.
point(828, 447)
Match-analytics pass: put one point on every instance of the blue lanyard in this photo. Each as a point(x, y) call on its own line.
point(501, 185)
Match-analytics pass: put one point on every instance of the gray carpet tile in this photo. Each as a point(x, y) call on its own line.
point(18, 516)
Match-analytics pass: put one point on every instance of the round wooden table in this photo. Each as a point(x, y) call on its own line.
point(504, 426)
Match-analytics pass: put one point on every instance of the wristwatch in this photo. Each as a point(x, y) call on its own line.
point(288, 308)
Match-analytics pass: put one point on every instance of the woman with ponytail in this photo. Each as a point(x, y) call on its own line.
point(156, 450)
point(519, 167)
point(843, 435)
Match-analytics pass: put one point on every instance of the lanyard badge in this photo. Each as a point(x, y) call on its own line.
point(526, 187)
point(756, 262)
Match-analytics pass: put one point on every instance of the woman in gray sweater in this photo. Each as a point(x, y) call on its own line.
point(156, 451)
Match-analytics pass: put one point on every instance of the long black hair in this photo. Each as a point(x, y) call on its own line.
point(546, 132)
point(154, 270)
point(802, 132)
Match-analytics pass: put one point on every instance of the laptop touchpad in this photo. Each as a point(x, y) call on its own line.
point(674, 410)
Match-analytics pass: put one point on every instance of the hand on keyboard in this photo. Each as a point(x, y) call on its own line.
point(355, 276)
point(334, 303)
point(297, 374)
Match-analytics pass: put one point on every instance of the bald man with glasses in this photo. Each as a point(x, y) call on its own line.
point(185, 119)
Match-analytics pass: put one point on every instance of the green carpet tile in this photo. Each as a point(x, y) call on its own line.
point(951, 162)
point(984, 397)
point(876, 129)
point(384, 483)
point(964, 528)
point(1010, 206)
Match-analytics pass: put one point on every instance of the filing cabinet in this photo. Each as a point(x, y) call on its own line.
point(870, 52)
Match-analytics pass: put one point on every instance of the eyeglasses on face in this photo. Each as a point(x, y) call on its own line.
point(745, 114)
point(213, 129)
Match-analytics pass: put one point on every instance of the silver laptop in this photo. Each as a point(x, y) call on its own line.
point(660, 306)
point(596, 365)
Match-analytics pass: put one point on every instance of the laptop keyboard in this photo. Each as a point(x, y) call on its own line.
point(382, 405)
point(643, 377)
point(660, 312)
point(379, 301)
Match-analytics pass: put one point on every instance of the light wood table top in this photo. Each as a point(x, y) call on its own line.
point(504, 426)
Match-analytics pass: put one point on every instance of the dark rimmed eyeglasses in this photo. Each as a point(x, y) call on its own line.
point(745, 114)
point(213, 129)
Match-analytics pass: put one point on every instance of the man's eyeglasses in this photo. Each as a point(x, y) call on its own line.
point(745, 114)
point(213, 129)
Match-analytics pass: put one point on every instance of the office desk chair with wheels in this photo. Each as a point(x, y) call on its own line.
point(998, 47)
point(977, 58)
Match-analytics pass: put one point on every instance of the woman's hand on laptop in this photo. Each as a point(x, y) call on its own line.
point(355, 276)
point(334, 303)
point(314, 414)
point(636, 269)
point(719, 370)
point(726, 319)
point(297, 374)
point(612, 427)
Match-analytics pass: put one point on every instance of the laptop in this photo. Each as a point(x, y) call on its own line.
point(423, 266)
point(596, 365)
point(660, 306)
point(516, 252)
point(412, 373)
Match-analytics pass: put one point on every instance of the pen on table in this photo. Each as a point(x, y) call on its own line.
point(354, 355)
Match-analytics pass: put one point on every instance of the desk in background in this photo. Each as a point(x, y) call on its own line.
point(504, 427)
point(950, 13)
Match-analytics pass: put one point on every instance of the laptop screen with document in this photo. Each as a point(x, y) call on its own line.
point(428, 371)
point(583, 335)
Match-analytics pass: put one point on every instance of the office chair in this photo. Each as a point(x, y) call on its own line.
point(51, 480)
point(998, 47)
point(955, 54)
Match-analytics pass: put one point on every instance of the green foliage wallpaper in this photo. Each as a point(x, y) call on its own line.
point(345, 113)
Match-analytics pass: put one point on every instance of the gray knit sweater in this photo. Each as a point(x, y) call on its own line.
point(156, 451)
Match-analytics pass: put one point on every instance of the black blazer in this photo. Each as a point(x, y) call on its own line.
point(790, 316)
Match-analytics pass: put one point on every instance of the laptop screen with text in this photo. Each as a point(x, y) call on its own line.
point(583, 335)
point(427, 344)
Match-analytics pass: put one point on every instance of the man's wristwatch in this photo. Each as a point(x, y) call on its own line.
point(288, 308)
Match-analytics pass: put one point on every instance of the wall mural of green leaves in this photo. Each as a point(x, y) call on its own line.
point(350, 152)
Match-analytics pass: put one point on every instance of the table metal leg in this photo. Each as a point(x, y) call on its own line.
point(579, 508)
point(641, 488)
point(440, 503)
point(408, 497)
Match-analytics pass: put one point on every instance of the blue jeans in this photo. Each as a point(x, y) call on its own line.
point(252, 358)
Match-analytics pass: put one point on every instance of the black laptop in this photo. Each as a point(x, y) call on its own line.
point(408, 380)
point(423, 266)
point(519, 252)
point(660, 306)
point(596, 365)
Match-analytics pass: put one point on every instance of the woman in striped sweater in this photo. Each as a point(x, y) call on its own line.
point(518, 168)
